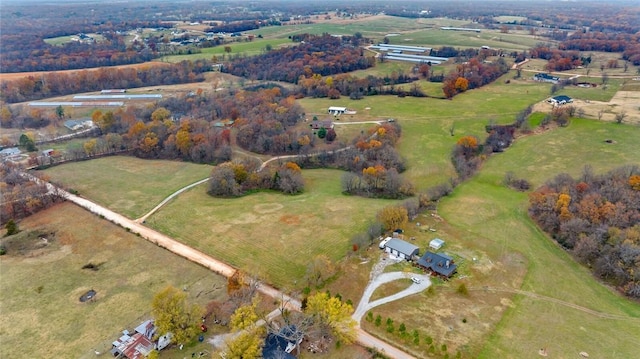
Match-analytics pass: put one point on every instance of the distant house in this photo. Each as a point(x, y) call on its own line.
point(112, 91)
point(436, 243)
point(401, 249)
point(542, 77)
point(560, 100)
point(280, 345)
point(48, 152)
point(76, 125)
point(9, 152)
point(440, 264)
point(337, 110)
point(316, 125)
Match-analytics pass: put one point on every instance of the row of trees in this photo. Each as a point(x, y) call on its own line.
point(233, 179)
point(596, 218)
point(22, 197)
point(36, 87)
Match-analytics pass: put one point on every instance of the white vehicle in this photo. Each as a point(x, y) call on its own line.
point(383, 242)
point(416, 280)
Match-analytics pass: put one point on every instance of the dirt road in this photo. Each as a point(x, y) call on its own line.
point(205, 260)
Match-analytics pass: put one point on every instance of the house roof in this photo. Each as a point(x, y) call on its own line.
point(277, 346)
point(10, 151)
point(439, 263)
point(334, 108)
point(546, 76)
point(136, 347)
point(402, 246)
point(562, 98)
point(146, 328)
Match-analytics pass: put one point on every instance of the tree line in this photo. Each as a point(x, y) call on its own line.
point(596, 218)
point(22, 197)
point(35, 87)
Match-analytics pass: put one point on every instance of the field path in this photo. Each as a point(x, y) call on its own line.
point(558, 301)
point(171, 196)
point(204, 260)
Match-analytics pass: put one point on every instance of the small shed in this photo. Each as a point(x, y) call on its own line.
point(436, 243)
point(401, 249)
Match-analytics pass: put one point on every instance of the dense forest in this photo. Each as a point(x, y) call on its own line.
point(596, 218)
point(324, 55)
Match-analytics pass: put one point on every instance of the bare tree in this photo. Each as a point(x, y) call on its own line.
point(620, 117)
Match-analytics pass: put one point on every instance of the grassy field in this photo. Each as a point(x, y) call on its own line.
point(426, 123)
point(40, 287)
point(251, 48)
point(269, 234)
point(127, 185)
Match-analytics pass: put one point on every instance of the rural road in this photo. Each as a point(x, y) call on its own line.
point(203, 259)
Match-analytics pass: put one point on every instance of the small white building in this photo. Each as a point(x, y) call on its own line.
point(436, 243)
point(337, 110)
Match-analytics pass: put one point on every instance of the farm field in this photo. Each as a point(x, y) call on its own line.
point(41, 285)
point(252, 48)
point(127, 185)
point(269, 234)
point(485, 220)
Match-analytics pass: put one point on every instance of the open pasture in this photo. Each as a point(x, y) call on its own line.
point(426, 123)
point(437, 37)
point(41, 287)
point(127, 185)
point(497, 216)
point(251, 48)
point(269, 234)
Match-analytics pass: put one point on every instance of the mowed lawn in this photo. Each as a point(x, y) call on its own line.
point(127, 185)
point(488, 211)
point(42, 316)
point(269, 234)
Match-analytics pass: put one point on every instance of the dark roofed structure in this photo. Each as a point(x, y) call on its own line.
point(279, 346)
point(440, 264)
point(546, 78)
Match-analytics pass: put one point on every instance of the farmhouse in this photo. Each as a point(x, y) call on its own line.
point(560, 100)
point(436, 243)
point(542, 77)
point(337, 110)
point(9, 152)
point(75, 125)
point(316, 125)
point(141, 343)
point(440, 264)
point(401, 249)
point(279, 346)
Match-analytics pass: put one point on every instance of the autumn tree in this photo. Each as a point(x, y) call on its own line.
point(246, 345)
point(461, 84)
point(173, 314)
point(160, 114)
point(393, 217)
point(332, 314)
point(245, 317)
point(319, 270)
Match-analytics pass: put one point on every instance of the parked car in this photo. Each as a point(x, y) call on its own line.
point(416, 280)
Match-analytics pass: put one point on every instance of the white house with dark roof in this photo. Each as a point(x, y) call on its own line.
point(401, 249)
